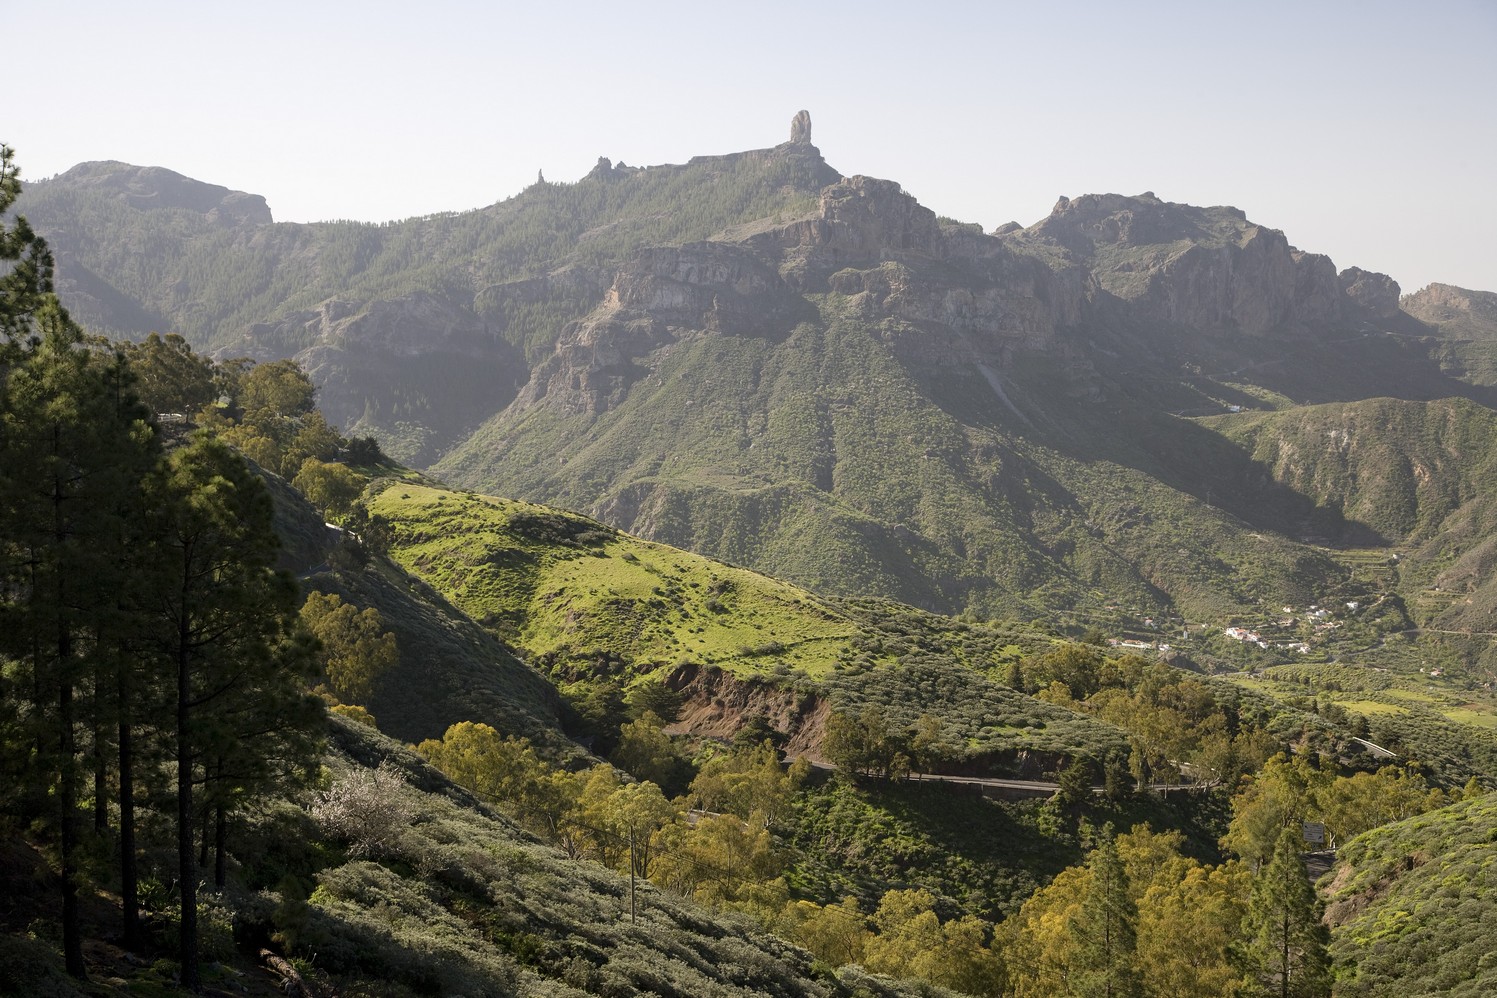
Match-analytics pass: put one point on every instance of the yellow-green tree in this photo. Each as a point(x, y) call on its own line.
point(1187, 930)
point(1354, 804)
point(1037, 941)
point(913, 942)
point(356, 648)
point(329, 486)
point(1281, 796)
point(476, 757)
point(837, 933)
point(749, 782)
point(645, 751)
point(725, 862)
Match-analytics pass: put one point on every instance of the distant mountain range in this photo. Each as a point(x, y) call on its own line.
point(1130, 408)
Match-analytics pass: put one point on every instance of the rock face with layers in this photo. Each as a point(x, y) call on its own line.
point(402, 360)
point(1204, 268)
point(659, 298)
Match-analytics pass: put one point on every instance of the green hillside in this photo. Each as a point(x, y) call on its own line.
point(1411, 906)
point(566, 589)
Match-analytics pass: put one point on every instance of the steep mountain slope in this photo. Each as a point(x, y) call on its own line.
point(754, 357)
point(1410, 906)
point(417, 329)
point(1462, 326)
point(1421, 476)
point(960, 420)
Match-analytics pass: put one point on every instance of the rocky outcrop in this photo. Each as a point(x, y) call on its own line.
point(416, 371)
point(150, 187)
point(859, 221)
point(1198, 267)
point(1375, 293)
point(800, 128)
point(1443, 304)
point(661, 296)
point(407, 326)
point(718, 704)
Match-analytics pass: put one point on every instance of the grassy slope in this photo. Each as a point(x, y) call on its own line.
point(567, 588)
point(1412, 905)
point(574, 595)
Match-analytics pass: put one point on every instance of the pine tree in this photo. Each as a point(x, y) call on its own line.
point(226, 620)
point(1105, 929)
point(74, 446)
point(1285, 937)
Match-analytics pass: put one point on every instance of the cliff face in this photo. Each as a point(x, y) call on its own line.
point(659, 298)
point(1204, 268)
point(414, 371)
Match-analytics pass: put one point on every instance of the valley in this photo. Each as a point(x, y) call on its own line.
point(705, 543)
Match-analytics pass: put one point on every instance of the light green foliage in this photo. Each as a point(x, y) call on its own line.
point(1354, 804)
point(1155, 922)
point(356, 650)
point(1278, 799)
point(330, 487)
point(1289, 791)
point(748, 782)
point(837, 933)
point(477, 758)
point(912, 941)
point(724, 862)
point(1411, 906)
point(273, 419)
point(567, 589)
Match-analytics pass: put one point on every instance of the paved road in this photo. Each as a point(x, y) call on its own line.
point(1029, 786)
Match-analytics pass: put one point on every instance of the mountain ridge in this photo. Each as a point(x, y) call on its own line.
point(756, 357)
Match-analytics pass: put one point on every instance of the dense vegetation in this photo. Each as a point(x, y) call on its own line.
point(166, 687)
point(1410, 905)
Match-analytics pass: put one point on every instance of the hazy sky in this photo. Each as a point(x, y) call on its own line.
point(1365, 130)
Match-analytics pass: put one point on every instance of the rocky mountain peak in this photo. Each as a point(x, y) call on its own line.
point(1200, 267)
point(151, 187)
point(1377, 293)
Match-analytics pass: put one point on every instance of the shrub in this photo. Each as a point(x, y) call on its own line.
point(368, 809)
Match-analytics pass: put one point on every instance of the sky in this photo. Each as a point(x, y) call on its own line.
point(1364, 130)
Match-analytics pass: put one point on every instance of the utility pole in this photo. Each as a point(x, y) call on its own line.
point(631, 875)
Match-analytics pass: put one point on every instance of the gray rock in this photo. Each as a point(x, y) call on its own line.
point(800, 128)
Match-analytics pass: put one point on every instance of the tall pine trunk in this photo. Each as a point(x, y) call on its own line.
point(220, 834)
point(129, 883)
point(67, 796)
point(187, 874)
point(101, 788)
